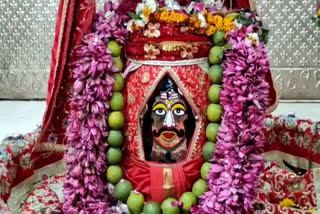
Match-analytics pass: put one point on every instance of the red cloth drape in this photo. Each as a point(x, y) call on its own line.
point(238, 4)
point(148, 178)
point(74, 19)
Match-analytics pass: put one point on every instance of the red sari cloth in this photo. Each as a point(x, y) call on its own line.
point(74, 19)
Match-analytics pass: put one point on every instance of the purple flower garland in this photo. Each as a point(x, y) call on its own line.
point(85, 189)
point(237, 162)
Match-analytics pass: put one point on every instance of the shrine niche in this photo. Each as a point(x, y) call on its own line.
point(167, 124)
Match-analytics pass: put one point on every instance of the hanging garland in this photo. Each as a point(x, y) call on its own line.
point(85, 189)
point(237, 162)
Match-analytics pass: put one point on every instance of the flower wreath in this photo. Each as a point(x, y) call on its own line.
point(234, 166)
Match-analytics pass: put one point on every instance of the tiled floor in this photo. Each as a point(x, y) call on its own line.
point(24, 116)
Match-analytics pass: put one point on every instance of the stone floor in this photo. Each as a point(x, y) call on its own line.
point(24, 116)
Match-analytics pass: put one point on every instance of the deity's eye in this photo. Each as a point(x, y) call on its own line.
point(160, 112)
point(178, 112)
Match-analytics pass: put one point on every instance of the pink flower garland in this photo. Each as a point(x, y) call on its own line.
point(85, 189)
point(237, 162)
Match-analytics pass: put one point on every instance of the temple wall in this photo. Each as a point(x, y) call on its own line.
point(27, 31)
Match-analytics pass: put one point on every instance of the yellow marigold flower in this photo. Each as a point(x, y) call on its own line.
point(287, 203)
point(211, 30)
point(318, 13)
point(228, 26)
point(217, 19)
point(209, 18)
point(164, 16)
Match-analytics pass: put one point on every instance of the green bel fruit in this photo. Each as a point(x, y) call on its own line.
point(212, 131)
point(216, 74)
point(152, 208)
point(123, 190)
point(208, 149)
point(135, 203)
point(116, 101)
point(115, 138)
point(214, 113)
point(168, 208)
point(117, 63)
point(205, 168)
point(114, 47)
point(219, 38)
point(114, 174)
point(116, 120)
point(199, 187)
point(214, 93)
point(114, 156)
point(119, 82)
point(188, 199)
point(216, 55)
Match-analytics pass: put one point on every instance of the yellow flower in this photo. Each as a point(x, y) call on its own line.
point(211, 30)
point(287, 203)
point(164, 16)
point(146, 12)
point(228, 26)
point(318, 13)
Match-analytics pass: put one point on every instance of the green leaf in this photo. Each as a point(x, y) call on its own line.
point(228, 47)
point(133, 16)
point(265, 35)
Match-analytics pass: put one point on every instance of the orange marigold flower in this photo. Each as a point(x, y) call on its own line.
point(157, 16)
point(201, 31)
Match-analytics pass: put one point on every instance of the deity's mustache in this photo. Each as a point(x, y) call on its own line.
point(180, 133)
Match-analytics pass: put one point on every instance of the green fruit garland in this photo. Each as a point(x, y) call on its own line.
point(123, 189)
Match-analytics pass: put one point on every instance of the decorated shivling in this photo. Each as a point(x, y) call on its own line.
point(161, 107)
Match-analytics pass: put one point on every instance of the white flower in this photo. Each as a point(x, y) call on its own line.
point(151, 4)
point(218, 4)
point(152, 31)
point(109, 14)
point(140, 8)
point(141, 23)
point(254, 37)
point(172, 5)
point(202, 19)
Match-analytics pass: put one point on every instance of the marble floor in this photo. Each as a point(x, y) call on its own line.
point(24, 116)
